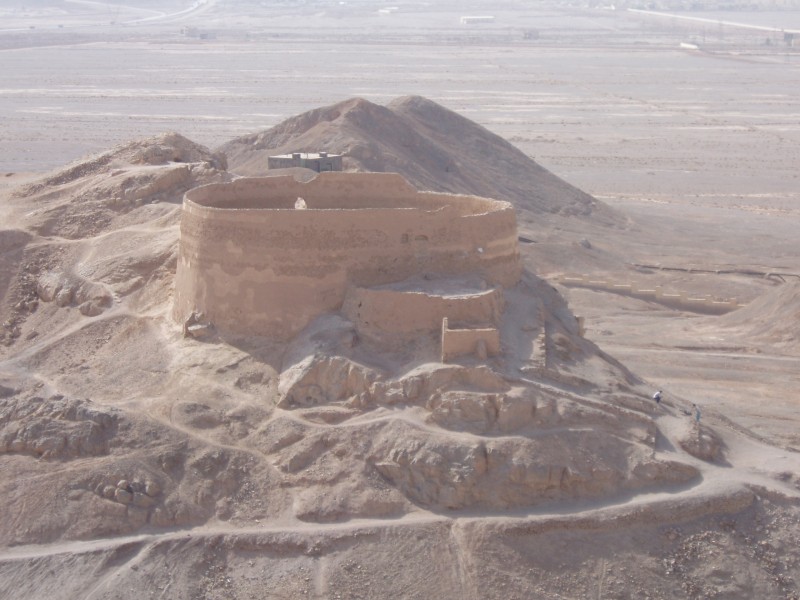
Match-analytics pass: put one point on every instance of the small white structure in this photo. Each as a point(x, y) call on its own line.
point(477, 20)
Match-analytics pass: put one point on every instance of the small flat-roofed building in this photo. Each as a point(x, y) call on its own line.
point(476, 20)
point(319, 162)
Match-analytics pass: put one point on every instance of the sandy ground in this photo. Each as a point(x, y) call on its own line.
point(255, 500)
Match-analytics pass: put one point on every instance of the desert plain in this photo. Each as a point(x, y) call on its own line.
point(689, 156)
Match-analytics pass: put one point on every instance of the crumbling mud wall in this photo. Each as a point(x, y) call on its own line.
point(253, 263)
point(403, 312)
point(480, 342)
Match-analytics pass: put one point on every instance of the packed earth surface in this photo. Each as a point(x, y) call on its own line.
point(142, 458)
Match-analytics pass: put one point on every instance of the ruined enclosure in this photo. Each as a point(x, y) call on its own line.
point(268, 255)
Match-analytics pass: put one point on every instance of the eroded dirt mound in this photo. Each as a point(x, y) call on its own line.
point(98, 193)
point(159, 150)
point(332, 465)
point(54, 428)
point(702, 442)
point(100, 470)
point(336, 426)
point(731, 547)
point(361, 429)
point(96, 232)
point(773, 318)
point(431, 146)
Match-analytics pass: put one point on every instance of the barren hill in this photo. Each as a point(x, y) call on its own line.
point(431, 146)
point(773, 318)
point(138, 462)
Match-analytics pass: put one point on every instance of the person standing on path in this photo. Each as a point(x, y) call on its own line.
point(657, 397)
point(696, 413)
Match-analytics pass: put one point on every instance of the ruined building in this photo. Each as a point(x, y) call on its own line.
point(268, 255)
point(320, 162)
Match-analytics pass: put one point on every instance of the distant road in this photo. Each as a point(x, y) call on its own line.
point(105, 6)
point(200, 5)
point(155, 16)
point(653, 13)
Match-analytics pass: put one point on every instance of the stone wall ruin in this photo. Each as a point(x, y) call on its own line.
point(255, 260)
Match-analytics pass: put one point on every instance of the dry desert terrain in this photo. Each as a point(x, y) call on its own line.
point(139, 463)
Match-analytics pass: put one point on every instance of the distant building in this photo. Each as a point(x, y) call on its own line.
point(194, 32)
point(320, 162)
point(477, 20)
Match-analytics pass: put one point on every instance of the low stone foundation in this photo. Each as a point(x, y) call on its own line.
point(480, 342)
point(418, 306)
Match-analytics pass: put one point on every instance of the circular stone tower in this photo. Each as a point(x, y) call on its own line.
point(267, 255)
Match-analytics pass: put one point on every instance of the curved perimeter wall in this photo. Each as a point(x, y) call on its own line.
point(252, 263)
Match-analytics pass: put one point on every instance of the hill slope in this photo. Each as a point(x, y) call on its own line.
point(431, 146)
point(140, 463)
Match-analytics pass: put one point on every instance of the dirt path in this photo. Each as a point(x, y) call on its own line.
point(720, 488)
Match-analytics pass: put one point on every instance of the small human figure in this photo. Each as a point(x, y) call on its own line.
point(696, 413)
point(657, 397)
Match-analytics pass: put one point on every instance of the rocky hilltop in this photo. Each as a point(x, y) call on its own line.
point(142, 462)
point(430, 145)
point(437, 149)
